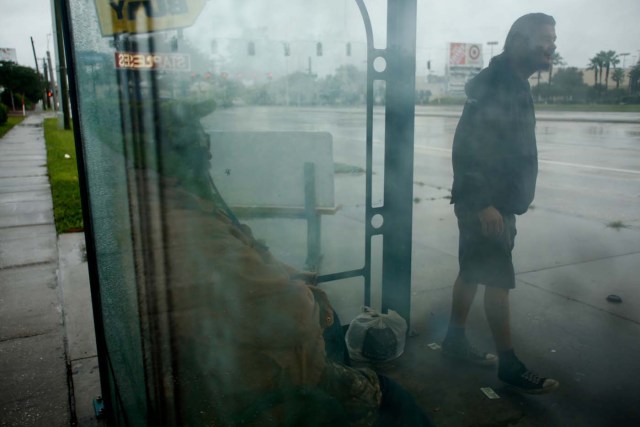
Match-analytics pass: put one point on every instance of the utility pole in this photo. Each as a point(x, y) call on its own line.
point(64, 93)
point(45, 71)
point(35, 58)
point(624, 57)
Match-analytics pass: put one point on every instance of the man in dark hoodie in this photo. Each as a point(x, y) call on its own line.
point(495, 168)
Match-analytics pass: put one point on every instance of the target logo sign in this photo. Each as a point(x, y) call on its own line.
point(465, 54)
point(474, 52)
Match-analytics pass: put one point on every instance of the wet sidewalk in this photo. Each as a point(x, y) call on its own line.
point(45, 348)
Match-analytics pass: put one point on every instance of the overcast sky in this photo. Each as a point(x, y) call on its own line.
point(584, 27)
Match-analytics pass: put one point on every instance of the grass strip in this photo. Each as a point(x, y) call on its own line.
point(10, 123)
point(63, 176)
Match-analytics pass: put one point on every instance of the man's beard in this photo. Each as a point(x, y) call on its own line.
point(536, 60)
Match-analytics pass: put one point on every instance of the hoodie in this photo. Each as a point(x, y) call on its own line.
point(495, 158)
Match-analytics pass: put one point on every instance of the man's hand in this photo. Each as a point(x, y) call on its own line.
point(491, 221)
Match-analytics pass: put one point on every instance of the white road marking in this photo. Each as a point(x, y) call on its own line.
point(423, 149)
point(577, 165)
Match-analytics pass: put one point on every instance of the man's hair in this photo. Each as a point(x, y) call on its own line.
point(525, 27)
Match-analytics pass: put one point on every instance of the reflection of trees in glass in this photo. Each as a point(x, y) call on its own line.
point(345, 87)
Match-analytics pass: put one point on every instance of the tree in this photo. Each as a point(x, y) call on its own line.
point(618, 76)
point(568, 84)
point(594, 64)
point(634, 78)
point(609, 58)
point(19, 80)
point(556, 59)
point(345, 87)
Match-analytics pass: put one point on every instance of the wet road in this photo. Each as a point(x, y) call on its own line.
point(580, 243)
point(589, 162)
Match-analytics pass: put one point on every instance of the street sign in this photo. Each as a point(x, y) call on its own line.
point(146, 16)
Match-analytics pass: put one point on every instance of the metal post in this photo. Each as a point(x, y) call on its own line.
point(47, 85)
point(62, 69)
point(313, 219)
point(398, 168)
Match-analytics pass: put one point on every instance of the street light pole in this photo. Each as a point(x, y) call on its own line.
point(492, 44)
point(624, 57)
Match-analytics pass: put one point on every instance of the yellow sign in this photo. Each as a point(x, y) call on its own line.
point(146, 16)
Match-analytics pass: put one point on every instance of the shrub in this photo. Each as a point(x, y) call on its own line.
point(4, 114)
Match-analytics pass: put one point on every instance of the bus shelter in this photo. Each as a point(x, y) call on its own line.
point(291, 121)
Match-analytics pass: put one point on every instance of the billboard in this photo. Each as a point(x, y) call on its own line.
point(8, 54)
point(465, 55)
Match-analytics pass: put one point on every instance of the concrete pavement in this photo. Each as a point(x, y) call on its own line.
point(562, 324)
point(46, 334)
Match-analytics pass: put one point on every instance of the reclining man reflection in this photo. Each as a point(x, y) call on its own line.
point(254, 343)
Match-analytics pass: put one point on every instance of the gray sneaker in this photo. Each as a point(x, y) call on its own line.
point(462, 350)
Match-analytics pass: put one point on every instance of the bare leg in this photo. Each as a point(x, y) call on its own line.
point(455, 344)
point(496, 307)
point(463, 295)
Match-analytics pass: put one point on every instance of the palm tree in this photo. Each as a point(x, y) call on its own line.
point(556, 59)
point(617, 76)
point(609, 58)
point(594, 64)
point(602, 60)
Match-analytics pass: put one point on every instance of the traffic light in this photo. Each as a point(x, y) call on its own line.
point(287, 49)
point(429, 65)
point(49, 93)
point(348, 49)
point(319, 49)
point(251, 49)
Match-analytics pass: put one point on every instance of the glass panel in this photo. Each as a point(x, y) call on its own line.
point(225, 156)
point(200, 277)
point(101, 125)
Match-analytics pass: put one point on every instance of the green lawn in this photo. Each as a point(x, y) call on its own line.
point(11, 122)
point(63, 175)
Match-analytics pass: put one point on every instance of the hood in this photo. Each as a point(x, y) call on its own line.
point(498, 69)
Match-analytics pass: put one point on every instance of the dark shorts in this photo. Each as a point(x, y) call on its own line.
point(485, 260)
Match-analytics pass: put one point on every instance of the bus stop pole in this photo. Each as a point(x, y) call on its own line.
point(398, 168)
